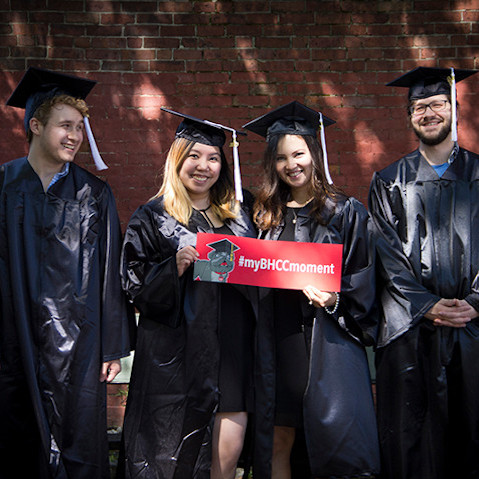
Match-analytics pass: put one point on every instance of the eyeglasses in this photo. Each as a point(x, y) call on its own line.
point(435, 106)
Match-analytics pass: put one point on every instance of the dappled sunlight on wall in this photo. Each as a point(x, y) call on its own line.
point(231, 62)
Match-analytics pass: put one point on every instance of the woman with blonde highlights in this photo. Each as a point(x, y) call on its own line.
point(176, 198)
point(191, 385)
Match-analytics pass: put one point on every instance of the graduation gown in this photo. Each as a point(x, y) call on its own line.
point(62, 314)
point(173, 392)
point(338, 410)
point(427, 235)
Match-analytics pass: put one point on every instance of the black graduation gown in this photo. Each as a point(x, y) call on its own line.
point(338, 410)
point(427, 235)
point(173, 390)
point(62, 314)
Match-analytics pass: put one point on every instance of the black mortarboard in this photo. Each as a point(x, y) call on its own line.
point(213, 134)
point(294, 118)
point(200, 131)
point(223, 246)
point(424, 82)
point(39, 85)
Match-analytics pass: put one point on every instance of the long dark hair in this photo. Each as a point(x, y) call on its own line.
point(272, 197)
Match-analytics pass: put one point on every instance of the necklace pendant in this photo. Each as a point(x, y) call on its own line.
point(294, 221)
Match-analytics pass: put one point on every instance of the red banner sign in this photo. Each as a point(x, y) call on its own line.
point(274, 264)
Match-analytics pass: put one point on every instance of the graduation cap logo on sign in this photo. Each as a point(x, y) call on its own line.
point(293, 118)
point(213, 134)
point(220, 262)
point(424, 82)
point(39, 85)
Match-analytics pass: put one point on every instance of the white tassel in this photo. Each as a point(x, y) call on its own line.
point(236, 169)
point(236, 164)
point(323, 147)
point(99, 163)
point(452, 81)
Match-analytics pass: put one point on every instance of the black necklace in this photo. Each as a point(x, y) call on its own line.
point(295, 216)
point(294, 211)
point(205, 215)
point(204, 210)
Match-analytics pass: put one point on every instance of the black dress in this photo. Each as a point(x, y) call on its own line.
point(291, 349)
point(235, 332)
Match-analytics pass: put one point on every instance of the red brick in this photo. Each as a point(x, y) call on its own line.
point(31, 52)
point(221, 19)
point(161, 42)
point(156, 18)
point(205, 43)
point(143, 30)
point(104, 30)
point(73, 6)
point(205, 7)
point(199, 66)
point(82, 18)
point(177, 31)
point(102, 5)
point(236, 60)
point(138, 6)
point(247, 6)
point(116, 19)
point(273, 42)
point(242, 30)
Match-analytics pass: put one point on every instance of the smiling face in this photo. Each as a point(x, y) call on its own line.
point(432, 127)
point(200, 170)
point(294, 164)
point(61, 137)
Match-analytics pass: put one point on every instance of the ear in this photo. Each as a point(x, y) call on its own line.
point(35, 126)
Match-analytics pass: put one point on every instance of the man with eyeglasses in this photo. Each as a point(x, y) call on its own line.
point(425, 212)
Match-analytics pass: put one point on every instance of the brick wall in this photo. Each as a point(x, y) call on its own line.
point(230, 61)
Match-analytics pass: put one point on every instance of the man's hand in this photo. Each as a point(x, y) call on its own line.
point(455, 313)
point(109, 370)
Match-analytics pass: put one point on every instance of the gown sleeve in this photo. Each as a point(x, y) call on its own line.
point(118, 322)
point(405, 300)
point(357, 312)
point(149, 271)
point(473, 297)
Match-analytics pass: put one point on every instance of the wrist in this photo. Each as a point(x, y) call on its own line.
point(334, 307)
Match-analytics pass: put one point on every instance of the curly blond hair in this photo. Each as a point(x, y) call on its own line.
point(43, 112)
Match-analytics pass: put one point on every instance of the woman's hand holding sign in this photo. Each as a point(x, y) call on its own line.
point(318, 298)
point(184, 258)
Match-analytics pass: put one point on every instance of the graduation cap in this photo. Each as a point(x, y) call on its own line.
point(294, 118)
point(424, 82)
point(213, 134)
point(39, 85)
point(224, 246)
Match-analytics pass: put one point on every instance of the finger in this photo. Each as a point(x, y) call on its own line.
point(192, 252)
point(451, 324)
point(112, 373)
point(103, 372)
point(447, 302)
point(307, 294)
point(455, 315)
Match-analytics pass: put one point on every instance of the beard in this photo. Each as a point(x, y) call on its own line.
point(437, 138)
